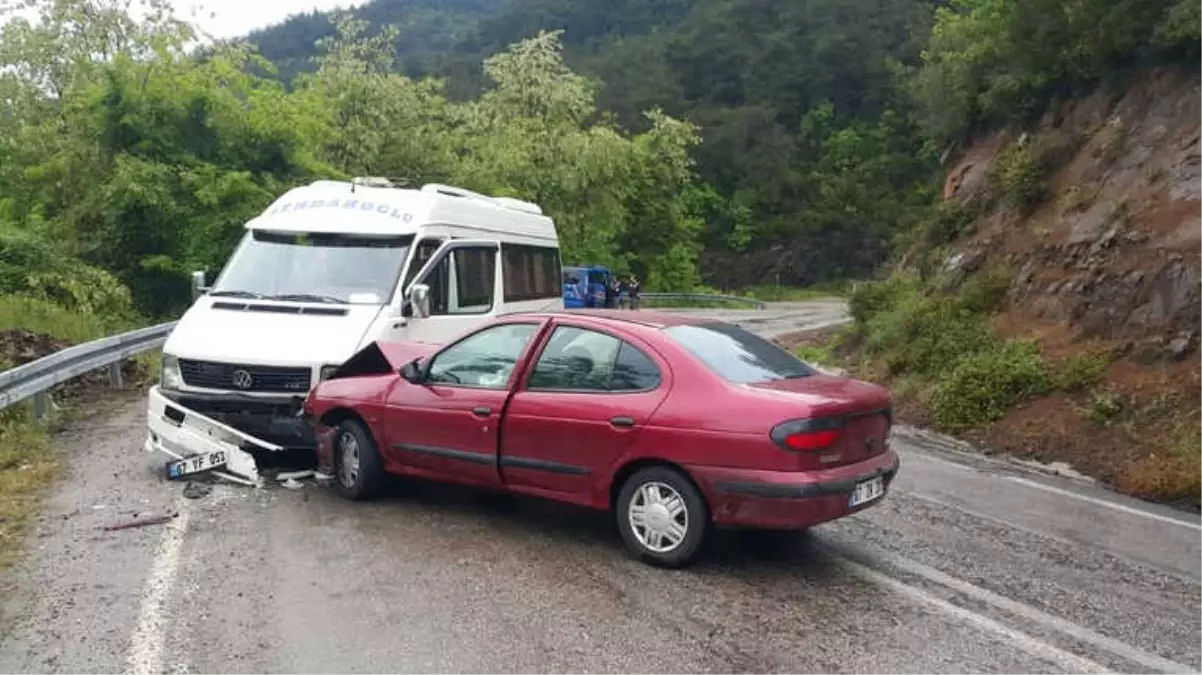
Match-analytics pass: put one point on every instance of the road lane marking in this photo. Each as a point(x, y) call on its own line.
point(1064, 660)
point(1103, 502)
point(925, 455)
point(146, 643)
point(1081, 633)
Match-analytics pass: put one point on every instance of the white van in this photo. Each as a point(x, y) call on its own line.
point(324, 271)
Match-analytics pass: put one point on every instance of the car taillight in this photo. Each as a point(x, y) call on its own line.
point(807, 434)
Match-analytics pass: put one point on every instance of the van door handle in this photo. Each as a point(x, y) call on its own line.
point(481, 412)
point(621, 421)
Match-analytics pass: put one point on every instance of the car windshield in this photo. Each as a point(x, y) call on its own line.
point(315, 267)
point(738, 355)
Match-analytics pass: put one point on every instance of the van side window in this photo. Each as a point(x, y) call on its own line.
point(425, 250)
point(475, 280)
point(530, 272)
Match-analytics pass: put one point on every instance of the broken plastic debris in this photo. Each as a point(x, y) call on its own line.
point(293, 484)
point(154, 520)
point(293, 475)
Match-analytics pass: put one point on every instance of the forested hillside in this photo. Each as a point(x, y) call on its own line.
point(811, 157)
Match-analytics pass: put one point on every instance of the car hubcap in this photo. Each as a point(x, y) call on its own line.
point(658, 517)
point(348, 466)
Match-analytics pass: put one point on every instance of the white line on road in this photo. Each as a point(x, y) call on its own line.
point(1133, 654)
point(1103, 502)
point(146, 643)
point(1064, 660)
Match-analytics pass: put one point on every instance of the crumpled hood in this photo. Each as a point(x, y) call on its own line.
point(269, 337)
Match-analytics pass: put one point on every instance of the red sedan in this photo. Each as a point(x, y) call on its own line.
point(674, 423)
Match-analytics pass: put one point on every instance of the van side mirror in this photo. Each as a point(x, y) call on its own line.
point(419, 300)
point(198, 285)
point(412, 372)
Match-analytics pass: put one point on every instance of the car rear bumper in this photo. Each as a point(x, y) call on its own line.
point(790, 499)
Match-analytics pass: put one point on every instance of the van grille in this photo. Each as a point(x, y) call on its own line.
point(232, 376)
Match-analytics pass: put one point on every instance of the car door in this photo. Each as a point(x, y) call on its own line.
point(446, 425)
point(462, 276)
point(587, 394)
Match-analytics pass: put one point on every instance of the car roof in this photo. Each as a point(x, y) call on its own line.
point(648, 318)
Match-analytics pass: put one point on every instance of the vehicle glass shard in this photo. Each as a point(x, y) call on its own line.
point(197, 443)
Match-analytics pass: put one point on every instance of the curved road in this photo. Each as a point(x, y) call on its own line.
point(970, 565)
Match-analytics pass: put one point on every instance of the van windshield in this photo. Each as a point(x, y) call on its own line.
point(315, 267)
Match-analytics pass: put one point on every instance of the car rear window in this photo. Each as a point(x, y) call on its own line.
point(738, 355)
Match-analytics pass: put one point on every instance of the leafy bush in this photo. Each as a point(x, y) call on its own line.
point(985, 293)
point(42, 316)
point(871, 297)
point(1018, 177)
point(818, 355)
point(1105, 407)
point(1082, 370)
point(982, 387)
point(922, 333)
point(30, 267)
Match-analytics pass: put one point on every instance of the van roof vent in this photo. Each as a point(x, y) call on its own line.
point(503, 202)
point(380, 182)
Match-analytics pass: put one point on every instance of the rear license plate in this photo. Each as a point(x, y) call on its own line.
point(867, 491)
point(195, 464)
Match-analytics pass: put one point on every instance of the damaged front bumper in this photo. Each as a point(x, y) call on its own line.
point(197, 443)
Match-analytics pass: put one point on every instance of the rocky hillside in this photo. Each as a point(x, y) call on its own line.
point(1079, 237)
point(1110, 250)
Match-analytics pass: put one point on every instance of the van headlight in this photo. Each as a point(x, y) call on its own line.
point(326, 372)
point(169, 375)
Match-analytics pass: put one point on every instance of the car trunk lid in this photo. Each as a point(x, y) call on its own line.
point(861, 411)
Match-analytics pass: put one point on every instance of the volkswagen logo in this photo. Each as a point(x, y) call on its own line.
point(242, 379)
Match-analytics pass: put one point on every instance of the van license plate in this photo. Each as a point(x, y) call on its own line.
point(195, 464)
point(867, 491)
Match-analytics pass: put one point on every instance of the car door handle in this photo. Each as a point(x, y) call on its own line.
point(481, 412)
point(620, 421)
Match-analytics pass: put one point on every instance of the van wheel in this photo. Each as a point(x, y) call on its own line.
point(357, 469)
point(662, 517)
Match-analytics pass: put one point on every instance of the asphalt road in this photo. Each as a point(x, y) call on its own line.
point(970, 565)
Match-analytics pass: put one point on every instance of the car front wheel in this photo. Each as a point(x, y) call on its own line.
point(662, 517)
point(357, 463)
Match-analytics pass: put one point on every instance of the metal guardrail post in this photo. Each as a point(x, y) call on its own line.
point(115, 380)
point(39, 407)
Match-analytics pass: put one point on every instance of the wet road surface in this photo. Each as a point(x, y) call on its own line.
point(970, 565)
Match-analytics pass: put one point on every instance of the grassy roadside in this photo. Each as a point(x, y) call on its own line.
point(31, 328)
point(761, 293)
point(952, 368)
point(26, 466)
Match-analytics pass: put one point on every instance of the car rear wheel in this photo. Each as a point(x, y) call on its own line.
point(662, 517)
point(358, 472)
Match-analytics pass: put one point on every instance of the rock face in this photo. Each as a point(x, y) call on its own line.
point(1113, 248)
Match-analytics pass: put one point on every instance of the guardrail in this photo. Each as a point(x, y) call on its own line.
point(704, 297)
point(37, 377)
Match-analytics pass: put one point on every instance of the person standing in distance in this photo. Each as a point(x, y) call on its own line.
point(632, 291)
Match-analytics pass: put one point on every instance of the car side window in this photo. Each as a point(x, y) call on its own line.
point(577, 359)
point(484, 360)
point(634, 370)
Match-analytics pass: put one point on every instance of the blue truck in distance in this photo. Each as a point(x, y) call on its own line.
point(585, 286)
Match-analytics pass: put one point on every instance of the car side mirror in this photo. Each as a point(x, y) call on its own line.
point(412, 372)
point(419, 300)
point(198, 284)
